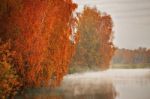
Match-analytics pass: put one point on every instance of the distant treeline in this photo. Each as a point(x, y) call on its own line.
point(140, 57)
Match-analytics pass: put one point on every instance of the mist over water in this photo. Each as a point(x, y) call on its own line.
point(109, 84)
point(118, 83)
point(93, 85)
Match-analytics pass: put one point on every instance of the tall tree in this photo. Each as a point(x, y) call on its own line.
point(39, 31)
point(95, 47)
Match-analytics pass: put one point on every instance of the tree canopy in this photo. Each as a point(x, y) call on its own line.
point(95, 47)
point(38, 32)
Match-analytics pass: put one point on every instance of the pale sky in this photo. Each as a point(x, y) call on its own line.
point(131, 20)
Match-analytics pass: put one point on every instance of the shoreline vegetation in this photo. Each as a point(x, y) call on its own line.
point(130, 66)
point(37, 43)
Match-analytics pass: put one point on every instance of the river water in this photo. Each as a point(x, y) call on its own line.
point(109, 84)
point(131, 83)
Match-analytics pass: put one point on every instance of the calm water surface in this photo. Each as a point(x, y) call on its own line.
point(110, 84)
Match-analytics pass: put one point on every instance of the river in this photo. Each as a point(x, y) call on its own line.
point(109, 84)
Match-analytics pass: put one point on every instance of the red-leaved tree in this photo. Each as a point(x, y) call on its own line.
point(39, 32)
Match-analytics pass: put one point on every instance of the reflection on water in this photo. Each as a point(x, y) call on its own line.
point(110, 84)
point(88, 86)
point(132, 84)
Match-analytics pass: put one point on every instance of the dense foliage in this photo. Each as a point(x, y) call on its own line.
point(38, 39)
point(38, 31)
point(9, 80)
point(95, 47)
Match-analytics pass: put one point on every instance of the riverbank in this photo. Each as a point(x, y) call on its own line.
point(130, 66)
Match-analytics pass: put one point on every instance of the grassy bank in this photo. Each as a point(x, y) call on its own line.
point(130, 66)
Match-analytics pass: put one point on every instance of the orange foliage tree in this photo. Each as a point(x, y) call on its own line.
point(95, 47)
point(107, 48)
point(9, 80)
point(39, 32)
